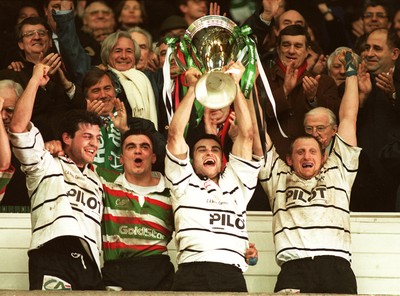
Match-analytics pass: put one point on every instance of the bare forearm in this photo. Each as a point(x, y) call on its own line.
point(23, 108)
point(348, 111)
point(242, 146)
point(176, 141)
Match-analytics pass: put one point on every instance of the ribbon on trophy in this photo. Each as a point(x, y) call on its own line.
point(209, 44)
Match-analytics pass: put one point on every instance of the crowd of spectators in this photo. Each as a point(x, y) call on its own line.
point(126, 39)
point(86, 84)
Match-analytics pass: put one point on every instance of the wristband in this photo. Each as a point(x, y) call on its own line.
point(253, 261)
point(350, 68)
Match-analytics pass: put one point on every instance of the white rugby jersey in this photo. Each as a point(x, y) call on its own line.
point(64, 200)
point(210, 220)
point(311, 217)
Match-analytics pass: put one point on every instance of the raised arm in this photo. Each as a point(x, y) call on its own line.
point(176, 143)
point(253, 103)
point(5, 151)
point(350, 102)
point(243, 145)
point(23, 108)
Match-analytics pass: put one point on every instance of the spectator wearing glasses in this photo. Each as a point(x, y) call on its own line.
point(296, 90)
point(60, 94)
point(375, 15)
point(378, 114)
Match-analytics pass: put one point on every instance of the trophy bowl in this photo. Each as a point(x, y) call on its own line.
point(213, 46)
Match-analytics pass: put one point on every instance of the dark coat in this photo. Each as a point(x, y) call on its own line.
point(291, 110)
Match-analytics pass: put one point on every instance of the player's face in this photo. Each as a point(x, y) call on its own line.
point(207, 158)
point(82, 148)
point(137, 156)
point(306, 158)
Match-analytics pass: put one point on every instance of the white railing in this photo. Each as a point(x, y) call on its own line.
point(375, 246)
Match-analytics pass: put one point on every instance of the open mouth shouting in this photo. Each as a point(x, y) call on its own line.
point(138, 161)
point(307, 165)
point(209, 162)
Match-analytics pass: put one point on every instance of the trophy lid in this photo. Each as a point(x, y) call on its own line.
point(210, 21)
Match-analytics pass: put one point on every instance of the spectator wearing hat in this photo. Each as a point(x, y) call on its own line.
point(173, 25)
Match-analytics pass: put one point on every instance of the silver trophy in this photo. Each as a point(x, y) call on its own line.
point(213, 45)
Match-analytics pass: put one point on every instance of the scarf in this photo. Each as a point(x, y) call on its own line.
point(301, 69)
point(139, 93)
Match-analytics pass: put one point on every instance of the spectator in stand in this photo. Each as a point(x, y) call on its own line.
point(375, 14)
point(335, 66)
point(296, 90)
point(147, 55)
point(61, 39)
point(173, 25)
point(131, 13)
point(193, 9)
point(377, 111)
point(327, 20)
point(100, 97)
point(396, 21)
point(98, 20)
point(27, 10)
point(60, 94)
point(6, 169)
point(9, 51)
point(120, 53)
point(266, 36)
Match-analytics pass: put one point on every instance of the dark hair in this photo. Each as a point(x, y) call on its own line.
point(46, 3)
point(294, 30)
point(374, 3)
point(306, 136)
point(120, 6)
point(33, 20)
point(92, 77)
point(203, 137)
point(73, 118)
point(135, 132)
point(141, 126)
